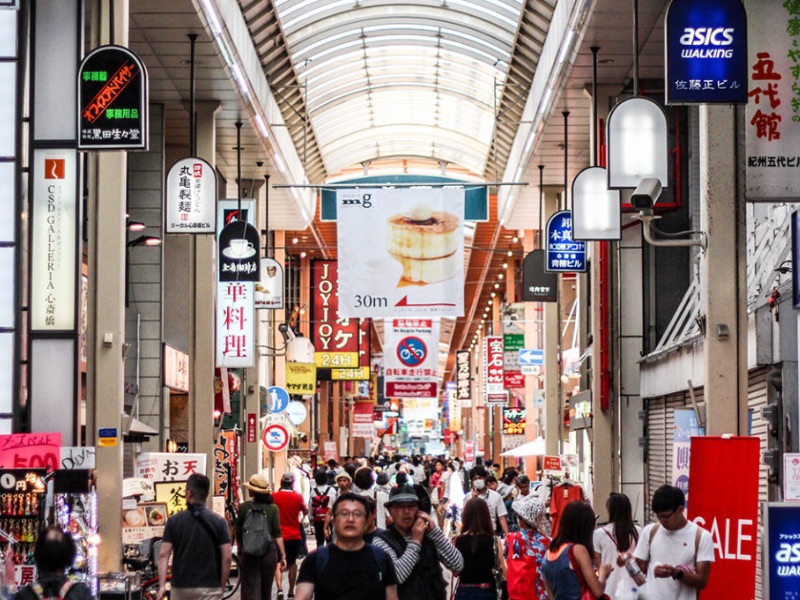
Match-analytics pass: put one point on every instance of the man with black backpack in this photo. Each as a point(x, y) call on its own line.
point(349, 568)
point(322, 498)
point(202, 545)
point(53, 554)
point(258, 537)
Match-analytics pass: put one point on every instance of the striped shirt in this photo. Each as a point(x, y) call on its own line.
point(448, 555)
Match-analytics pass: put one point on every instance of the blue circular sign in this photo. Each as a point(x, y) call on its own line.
point(411, 351)
point(277, 399)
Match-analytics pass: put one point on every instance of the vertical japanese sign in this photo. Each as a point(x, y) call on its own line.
point(706, 58)
point(563, 254)
point(513, 427)
point(336, 340)
point(463, 378)
point(493, 369)
point(782, 546)
point(538, 285)
point(686, 427)
point(225, 460)
point(725, 502)
point(411, 358)
point(235, 325)
point(401, 252)
point(238, 253)
point(772, 122)
point(112, 101)
point(363, 420)
point(191, 197)
point(54, 247)
point(453, 408)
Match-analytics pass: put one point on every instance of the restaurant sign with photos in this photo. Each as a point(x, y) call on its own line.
point(401, 252)
point(191, 197)
point(112, 100)
point(269, 289)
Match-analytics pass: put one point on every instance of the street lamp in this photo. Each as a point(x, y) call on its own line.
point(637, 143)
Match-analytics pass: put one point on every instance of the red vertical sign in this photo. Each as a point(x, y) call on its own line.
point(725, 502)
point(252, 428)
point(328, 332)
point(493, 353)
point(364, 339)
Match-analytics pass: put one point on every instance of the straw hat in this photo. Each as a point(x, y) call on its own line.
point(258, 484)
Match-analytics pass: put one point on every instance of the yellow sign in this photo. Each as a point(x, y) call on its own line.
point(109, 442)
point(336, 360)
point(301, 378)
point(359, 374)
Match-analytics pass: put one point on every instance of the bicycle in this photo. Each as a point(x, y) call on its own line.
point(146, 563)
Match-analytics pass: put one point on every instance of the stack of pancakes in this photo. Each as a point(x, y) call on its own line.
point(425, 243)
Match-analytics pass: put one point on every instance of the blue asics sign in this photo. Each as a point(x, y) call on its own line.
point(564, 255)
point(706, 52)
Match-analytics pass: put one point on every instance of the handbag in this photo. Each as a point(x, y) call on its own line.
point(500, 583)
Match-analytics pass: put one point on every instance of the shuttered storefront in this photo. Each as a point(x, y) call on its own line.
point(757, 398)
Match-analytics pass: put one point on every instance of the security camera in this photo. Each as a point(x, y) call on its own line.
point(646, 193)
point(286, 332)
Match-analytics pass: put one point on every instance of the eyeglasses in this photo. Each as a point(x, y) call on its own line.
point(663, 517)
point(354, 514)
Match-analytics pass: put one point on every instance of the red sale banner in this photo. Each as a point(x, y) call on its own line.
point(725, 502)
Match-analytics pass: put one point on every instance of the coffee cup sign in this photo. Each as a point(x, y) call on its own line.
point(238, 253)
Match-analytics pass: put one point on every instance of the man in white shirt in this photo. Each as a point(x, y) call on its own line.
point(675, 553)
point(497, 508)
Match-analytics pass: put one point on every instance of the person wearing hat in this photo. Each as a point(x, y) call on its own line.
point(417, 546)
point(257, 572)
point(526, 549)
point(292, 509)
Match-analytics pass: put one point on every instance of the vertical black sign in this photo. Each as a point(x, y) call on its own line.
point(238, 253)
point(112, 101)
point(538, 285)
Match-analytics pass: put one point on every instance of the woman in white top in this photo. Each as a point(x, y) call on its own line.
point(614, 543)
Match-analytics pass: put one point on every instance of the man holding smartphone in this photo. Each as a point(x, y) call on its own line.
point(417, 546)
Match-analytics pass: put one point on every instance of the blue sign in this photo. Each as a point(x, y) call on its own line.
point(107, 432)
point(564, 255)
point(528, 356)
point(411, 351)
point(277, 399)
point(783, 548)
point(706, 52)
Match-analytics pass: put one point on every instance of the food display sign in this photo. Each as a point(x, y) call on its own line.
point(112, 101)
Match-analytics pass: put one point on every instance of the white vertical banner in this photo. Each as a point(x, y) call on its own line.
point(236, 346)
point(401, 252)
point(191, 197)
point(54, 229)
point(411, 358)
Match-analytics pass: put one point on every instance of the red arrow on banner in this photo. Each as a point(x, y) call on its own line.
point(404, 302)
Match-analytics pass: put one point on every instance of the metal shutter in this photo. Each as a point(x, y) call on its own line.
point(756, 398)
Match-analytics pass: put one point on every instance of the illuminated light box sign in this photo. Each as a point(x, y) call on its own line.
point(112, 101)
point(191, 197)
point(564, 254)
point(706, 55)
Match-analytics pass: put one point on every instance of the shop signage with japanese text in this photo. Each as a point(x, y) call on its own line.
point(551, 463)
point(706, 59)
point(538, 285)
point(686, 427)
point(191, 197)
point(235, 325)
point(513, 421)
point(463, 375)
point(782, 547)
point(30, 451)
point(336, 340)
point(169, 466)
point(564, 254)
point(363, 420)
point(238, 258)
point(112, 100)
point(411, 358)
point(176, 369)
point(493, 363)
point(301, 378)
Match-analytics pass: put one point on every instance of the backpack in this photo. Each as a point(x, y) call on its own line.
point(256, 537)
point(319, 505)
point(37, 589)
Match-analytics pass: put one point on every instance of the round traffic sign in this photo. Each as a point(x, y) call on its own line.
point(411, 351)
point(276, 437)
point(297, 412)
point(278, 399)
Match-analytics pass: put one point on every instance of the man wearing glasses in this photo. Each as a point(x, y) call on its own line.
point(416, 546)
point(349, 568)
point(675, 553)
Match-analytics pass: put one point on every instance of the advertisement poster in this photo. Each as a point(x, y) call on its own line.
point(781, 548)
point(411, 358)
point(725, 502)
point(401, 252)
point(772, 116)
point(235, 325)
point(269, 289)
point(685, 428)
point(513, 427)
point(30, 450)
point(191, 197)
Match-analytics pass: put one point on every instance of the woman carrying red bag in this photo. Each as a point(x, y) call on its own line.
point(526, 549)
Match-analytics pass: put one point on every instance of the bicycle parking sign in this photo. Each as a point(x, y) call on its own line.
point(411, 351)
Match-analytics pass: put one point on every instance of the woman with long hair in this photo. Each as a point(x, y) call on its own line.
point(480, 550)
point(526, 549)
point(615, 542)
point(568, 568)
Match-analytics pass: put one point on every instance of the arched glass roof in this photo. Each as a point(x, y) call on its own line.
point(419, 78)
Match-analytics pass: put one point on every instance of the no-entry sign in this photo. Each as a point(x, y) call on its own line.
point(276, 437)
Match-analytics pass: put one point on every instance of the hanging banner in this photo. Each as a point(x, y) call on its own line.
point(238, 253)
point(564, 254)
point(235, 325)
point(269, 290)
point(363, 420)
point(401, 252)
point(772, 116)
point(301, 378)
point(782, 547)
point(411, 358)
point(190, 204)
point(463, 375)
point(54, 240)
point(453, 409)
point(336, 339)
point(112, 100)
point(225, 461)
point(725, 478)
point(537, 284)
point(686, 427)
point(706, 59)
point(493, 364)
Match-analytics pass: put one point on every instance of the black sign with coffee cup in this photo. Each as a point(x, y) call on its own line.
point(238, 253)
